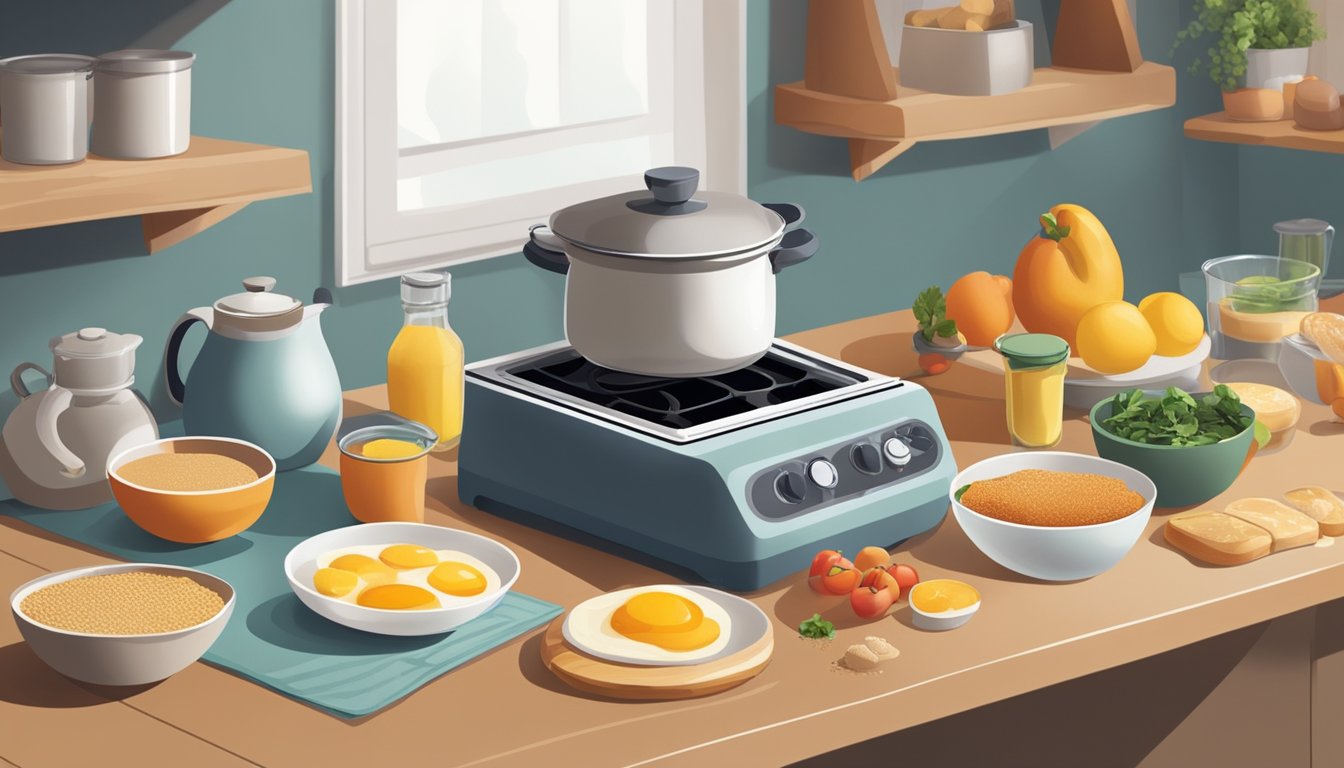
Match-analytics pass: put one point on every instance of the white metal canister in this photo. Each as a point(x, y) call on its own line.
point(144, 104)
point(45, 102)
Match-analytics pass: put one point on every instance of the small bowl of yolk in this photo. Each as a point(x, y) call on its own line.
point(940, 604)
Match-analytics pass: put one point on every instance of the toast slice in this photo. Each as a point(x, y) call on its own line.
point(1217, 538)
point(1320, 504)
point(1325, 330)
point(1289, 527)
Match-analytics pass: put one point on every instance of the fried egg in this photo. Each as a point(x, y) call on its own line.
point(402, 576)
point(659, 625)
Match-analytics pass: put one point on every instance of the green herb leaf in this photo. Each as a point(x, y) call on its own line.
point(1176, 418)
point(816, 627)
point(963, 489)
point(930, 309)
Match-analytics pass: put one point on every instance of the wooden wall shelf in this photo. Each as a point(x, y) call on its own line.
point(175, 197)
point(850, 89)
point(1280, 133)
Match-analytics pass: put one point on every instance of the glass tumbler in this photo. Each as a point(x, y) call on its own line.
point(384, 469)
point(1255, 301)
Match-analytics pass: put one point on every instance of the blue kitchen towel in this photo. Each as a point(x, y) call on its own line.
point(273, 638)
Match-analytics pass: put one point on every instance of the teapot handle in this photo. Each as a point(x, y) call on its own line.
point(16, 378)
point(56, 402)
point(177, 388)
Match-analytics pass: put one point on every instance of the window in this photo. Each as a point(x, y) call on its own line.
point(461, 122)
point(1327, 56)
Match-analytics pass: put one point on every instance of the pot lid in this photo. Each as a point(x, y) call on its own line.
point(48, 64)
point(257, 300)
point(671, 219)
point(1030, 350)
point(92, 343)
point(145, 61)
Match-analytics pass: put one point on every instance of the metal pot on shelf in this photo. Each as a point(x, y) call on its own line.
point(670, 281)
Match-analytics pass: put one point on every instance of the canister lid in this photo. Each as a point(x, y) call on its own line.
point(671, 219)
point(48, 64)
point(426, 288)
point(1031, 350)
point(145, 61)
point(94, 343)
point(257, 300)
point(1302, 227)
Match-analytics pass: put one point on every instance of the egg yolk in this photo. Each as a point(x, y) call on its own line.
point(941, 595)
point(404, 556)
point(335, 583)
point(365, 567)
point(386, 448)
point(668, 621)
point(457, 579)
point(398, 597)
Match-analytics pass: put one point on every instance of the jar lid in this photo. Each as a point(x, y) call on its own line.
point(91, 343)
point(1302, 227)
point(1032, 350)
point(423, 439)
point(257, 300)
point(145, 61)
point(65, 64)
point(426, 288)
point(669, 220)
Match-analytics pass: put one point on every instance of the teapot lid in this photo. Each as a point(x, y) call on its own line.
point(257, 300)
point(94, 343)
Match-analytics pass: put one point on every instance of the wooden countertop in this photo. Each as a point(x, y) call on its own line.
point(506, 709)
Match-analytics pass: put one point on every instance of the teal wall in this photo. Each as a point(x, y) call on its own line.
point(1280, 184)
point(265, 74)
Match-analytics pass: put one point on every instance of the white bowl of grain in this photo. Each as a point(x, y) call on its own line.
point(127, 624)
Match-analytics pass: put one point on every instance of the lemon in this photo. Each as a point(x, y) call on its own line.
point(1176, 322)
point(1114, 337)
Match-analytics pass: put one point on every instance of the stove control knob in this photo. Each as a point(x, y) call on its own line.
point(897, 452)
point(823, 473)
point(791, 487)
point(867, 458)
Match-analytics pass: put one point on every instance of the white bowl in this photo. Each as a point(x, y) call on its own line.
point(121, 659)
point(1066, 553)
point(1297, 363)
point(301, 564)
point(940, 622)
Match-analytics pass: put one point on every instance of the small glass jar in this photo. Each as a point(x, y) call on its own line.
point(1034, 368)
point(383, 471)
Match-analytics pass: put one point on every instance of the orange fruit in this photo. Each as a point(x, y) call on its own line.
point(982, 305)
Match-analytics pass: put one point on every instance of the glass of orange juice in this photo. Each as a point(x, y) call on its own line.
point(384, 469)
point(1034, 368)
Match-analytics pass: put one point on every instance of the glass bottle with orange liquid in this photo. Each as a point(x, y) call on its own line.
point(425, 363)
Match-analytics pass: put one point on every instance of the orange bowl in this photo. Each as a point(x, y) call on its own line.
point(194, 517)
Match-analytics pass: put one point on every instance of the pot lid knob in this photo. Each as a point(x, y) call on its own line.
point(92, 334)
point(260, 284)
point(672, 184)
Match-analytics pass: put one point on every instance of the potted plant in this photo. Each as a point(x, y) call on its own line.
point(1260, 46)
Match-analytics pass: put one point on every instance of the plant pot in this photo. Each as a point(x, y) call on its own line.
point(1255, 105)
point(1271, 68)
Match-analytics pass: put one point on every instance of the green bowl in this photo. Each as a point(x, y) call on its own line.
point(1184, 475)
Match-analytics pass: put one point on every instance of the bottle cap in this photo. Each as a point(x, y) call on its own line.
point(426, 288)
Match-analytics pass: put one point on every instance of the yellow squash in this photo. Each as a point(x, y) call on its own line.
point(1069, 268)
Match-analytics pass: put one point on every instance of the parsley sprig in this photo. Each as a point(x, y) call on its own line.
point(931, 311)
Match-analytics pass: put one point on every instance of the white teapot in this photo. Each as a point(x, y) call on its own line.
point(57, 441)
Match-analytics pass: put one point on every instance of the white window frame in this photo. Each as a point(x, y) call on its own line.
point(375, 241)
point(1327, 56)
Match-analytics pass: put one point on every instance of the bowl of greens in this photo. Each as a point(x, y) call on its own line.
point(1192, 446)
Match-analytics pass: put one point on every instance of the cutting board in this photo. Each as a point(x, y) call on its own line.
point(623, 681)
point(1158, 367)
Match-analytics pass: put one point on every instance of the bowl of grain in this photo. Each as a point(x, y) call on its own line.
point(126, 624)
point(1053, 515)
point(193, 489)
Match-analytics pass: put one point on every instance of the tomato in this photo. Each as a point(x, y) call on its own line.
point(876, 592)
point(905, 576)
point(822, 564)
point(871, 557)
point(840, 579)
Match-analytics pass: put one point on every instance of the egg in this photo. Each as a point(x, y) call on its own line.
point(424, 578)
point(663, 624)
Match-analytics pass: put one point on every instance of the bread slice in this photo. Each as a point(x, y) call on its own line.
point(1217, 538)
point(1289, 527)
point(1326, 330)
point(1323, 506)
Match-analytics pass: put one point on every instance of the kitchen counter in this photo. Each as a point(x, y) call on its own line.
point(505, 708)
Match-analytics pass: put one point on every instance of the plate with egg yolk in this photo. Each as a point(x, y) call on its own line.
point(404, 579)
point(664, 625)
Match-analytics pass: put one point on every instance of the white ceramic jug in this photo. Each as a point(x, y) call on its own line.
point(57, 441)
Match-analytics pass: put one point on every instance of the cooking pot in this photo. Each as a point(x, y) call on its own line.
point(670, 281)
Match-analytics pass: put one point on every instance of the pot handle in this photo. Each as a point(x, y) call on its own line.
point(56, 402)
point(177, 388)
point(540, 249)
point(792, 213)
point(797, 246)
point(16, 378)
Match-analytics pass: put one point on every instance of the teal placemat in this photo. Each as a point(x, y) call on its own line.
point(273, 638)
